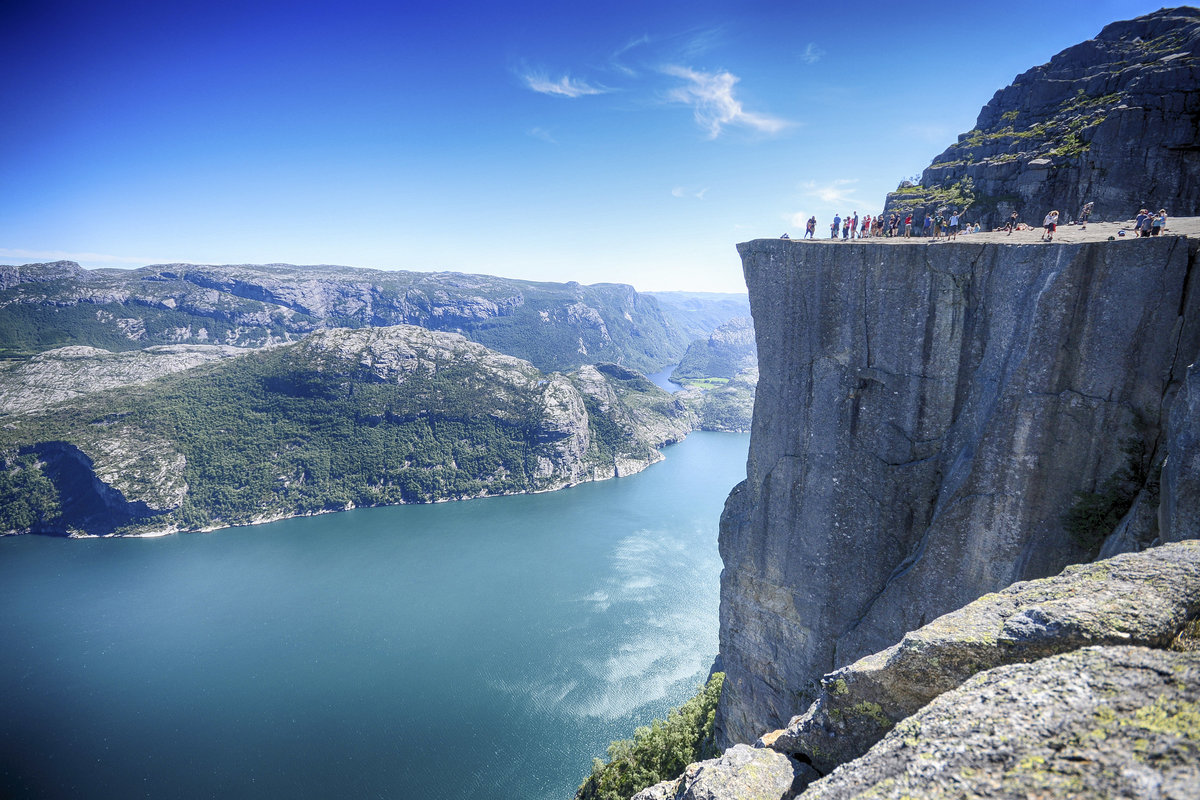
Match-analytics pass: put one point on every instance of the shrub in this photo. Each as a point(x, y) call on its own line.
point(659, 751)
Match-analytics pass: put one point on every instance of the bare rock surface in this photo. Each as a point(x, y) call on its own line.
point(1097, 723)
point(69, 372)
point(1114, 120)
point(1132, 599)
point(740, 773)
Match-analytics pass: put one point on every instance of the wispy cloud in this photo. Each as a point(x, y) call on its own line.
point(566, 86)
point(710, 94)
point(617, 62)
point(833, 193)
point(683, 191)
point(543, 134)
point(812, 54)
point(25, 256)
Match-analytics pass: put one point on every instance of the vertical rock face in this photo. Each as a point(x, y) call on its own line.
point(924, 419)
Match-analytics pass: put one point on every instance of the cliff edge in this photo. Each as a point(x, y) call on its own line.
point(927, 423)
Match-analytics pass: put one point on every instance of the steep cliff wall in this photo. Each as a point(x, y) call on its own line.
point(925, 418)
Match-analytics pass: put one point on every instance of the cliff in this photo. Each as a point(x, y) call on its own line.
point(927, 420)
point(1114, 120)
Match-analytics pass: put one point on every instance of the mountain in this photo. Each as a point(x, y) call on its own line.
point(724, 353)
point(1114, 120)
point(339, 419)
point(697, 314)
point(555, 326)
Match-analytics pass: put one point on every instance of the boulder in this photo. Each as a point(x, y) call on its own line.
point(1095, 724)
point(1132, 599)
point(740, 773)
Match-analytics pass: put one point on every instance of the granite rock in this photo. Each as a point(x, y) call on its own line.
point(1132, 599)
point(925, 417)
point(1114, 120)
point(1095, 724)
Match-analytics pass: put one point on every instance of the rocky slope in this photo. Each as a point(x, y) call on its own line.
point(65, 373)
point(1046, 687)
point(926, 418)
point(1114, 121)
point(554, 326)
point(342, 418)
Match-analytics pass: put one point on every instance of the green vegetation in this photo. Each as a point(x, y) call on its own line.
point(705, 383)
point(657, 752)
point(1188, 639)
point(305, 428)
point(1095, 514)
point(28, 500)
point(958, 195)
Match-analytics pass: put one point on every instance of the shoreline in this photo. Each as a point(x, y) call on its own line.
point(621, 470)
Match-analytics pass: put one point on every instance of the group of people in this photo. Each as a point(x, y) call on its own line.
point(1148, 224)
point(947, 224)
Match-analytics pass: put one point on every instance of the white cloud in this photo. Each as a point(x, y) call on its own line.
point(834, 193)
point(799, 219)
point(711, 97)
point(812, 54)
point(616, 60)
point(565, 86)
point(683, 191)
point(26, 256)
point(543, 134)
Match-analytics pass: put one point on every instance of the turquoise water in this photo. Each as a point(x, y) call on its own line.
point(487, 648)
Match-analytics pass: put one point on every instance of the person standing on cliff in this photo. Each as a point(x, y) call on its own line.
point(845, 229)
point(954, 221)
point(854, 226)
point(1050, 223)
point(810, 228)
point(833, 229)
point(1012, 223)
point(1084, 213)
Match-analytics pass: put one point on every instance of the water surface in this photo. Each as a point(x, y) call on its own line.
point(487, 648)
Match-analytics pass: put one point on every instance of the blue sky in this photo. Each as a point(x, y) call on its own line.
point(632, 142)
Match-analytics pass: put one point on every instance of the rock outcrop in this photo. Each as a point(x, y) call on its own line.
point(69, 372)
point(740, 772)
point(1141, 599)
point(1094, 724)
point(925, 419)
point(1114, 121)
point(1076, 684)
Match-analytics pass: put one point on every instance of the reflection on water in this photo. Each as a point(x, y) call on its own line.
point(482, 648)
